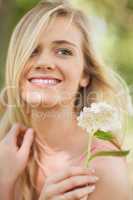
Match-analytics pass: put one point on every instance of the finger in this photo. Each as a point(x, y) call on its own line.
point(71, 183)
point(84, 197)
point(73, 171)
point(74, 182)
point(77, 194)
point(15, 130)
point(24, 150)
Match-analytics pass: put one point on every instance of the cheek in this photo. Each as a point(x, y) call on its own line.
point(72, 83)
point(75, 74)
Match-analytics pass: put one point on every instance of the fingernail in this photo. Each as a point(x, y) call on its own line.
point(95, 178)
point(30, 130)
point(92, 188)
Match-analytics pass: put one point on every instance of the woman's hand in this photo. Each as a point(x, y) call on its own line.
point(14, 157)
point(73, 183)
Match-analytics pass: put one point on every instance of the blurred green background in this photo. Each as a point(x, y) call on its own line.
point(112, 34)
point(112, 22)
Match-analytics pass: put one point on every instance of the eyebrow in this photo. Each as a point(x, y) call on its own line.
point(64, 42)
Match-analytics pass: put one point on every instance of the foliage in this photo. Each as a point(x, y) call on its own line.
point(118, 16)
point(115, 16)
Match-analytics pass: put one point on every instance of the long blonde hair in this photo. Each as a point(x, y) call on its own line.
point(105, 84)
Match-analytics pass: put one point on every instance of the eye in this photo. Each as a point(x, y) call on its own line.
point(64, 51)
point(35, 52)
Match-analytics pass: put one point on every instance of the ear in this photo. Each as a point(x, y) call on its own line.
point(84, 81)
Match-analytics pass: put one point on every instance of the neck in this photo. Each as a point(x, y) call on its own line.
point(58, 129)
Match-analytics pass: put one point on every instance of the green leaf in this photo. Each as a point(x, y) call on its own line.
point(104, 135)
point(109, 153)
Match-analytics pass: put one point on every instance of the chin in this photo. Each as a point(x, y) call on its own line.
point(38, 99)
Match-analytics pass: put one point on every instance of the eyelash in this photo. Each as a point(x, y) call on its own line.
point(68, 52)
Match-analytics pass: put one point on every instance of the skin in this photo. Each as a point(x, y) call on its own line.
point(65, 182)
point(13, 159)
point(70, 69)
point(56, 101)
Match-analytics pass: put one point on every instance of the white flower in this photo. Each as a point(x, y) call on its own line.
point(99, 116)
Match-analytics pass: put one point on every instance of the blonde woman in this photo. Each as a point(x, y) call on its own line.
point(51, 73)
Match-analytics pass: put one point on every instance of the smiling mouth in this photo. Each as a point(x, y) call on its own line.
point(44, 82)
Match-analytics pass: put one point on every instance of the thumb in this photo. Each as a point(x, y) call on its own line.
point(24, 151)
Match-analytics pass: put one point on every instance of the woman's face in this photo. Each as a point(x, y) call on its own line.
point(54, 71)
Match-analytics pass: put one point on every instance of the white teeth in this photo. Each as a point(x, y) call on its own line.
point(45, 81)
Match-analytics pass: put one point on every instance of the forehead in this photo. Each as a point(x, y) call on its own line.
point(61, 28)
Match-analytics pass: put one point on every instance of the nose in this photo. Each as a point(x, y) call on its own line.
point(44, 67)
point(45, 62)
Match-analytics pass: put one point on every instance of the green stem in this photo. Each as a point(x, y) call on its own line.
point(104, 136)
point(89, 148)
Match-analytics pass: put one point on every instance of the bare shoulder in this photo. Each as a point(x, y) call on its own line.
point(113, 181)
